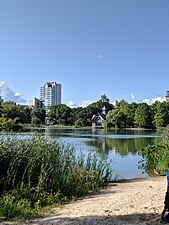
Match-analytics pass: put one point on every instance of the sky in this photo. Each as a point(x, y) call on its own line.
point(119, 48)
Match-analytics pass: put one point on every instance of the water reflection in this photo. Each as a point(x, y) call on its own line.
point(121, 146)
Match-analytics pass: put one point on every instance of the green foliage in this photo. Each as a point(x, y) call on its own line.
point(156, 156)
point(79, 115)
point(12, 116)
point(38, 172)
point(9, 124)
point(35, 121)
point(104, 98)
point(161, 114)
point(140, 115)
point(79, 123)
point(38, 116)
point(124, 115)
point(60, 114)
point(12, 111)
point(117, 118)
point(11, 207)
point(143, 116)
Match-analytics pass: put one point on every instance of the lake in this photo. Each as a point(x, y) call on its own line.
point(121, 146)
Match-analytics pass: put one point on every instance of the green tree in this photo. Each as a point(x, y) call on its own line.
point(115, 118)
point(79, 114)
point(132, 110)
point(104, 98)
point(1, 109)
point(35, 121)
point(26, 116)
point(123, 106)
point(9, 124)
point(11, 111)
point(60, 114)
point(160, 112)
point(79, 123)
point(143, 116)
point(159, 117)
point(125, 116)
point(38, 116)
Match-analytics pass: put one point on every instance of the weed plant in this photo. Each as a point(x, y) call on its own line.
point(35, 172)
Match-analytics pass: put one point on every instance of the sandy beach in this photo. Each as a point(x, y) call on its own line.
point(137, 202)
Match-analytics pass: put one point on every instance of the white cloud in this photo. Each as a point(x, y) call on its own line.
point(153, 100)
point(9, 95)
point(2, 83)
point(85, 103)
point(99, 56)
point(71, 104)
point(18, 94)
point(132, 96)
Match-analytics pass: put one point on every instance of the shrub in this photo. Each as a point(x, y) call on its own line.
point(11, 207)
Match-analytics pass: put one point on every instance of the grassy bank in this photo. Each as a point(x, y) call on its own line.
point(36, 172)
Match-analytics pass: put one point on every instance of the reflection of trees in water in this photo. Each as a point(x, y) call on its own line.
point(99, 143)
point(130, 131)
point(105, 145)
point(121, 146)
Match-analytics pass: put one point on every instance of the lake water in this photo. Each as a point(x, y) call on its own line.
point(121, 146)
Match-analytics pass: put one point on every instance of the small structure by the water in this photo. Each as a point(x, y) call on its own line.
point(98, 119)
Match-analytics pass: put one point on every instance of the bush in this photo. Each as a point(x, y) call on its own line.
point(156, 156)
point(10, 207)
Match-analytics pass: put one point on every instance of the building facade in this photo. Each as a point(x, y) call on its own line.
point(50, 94)
point(167, 96)
point(99, 118)
point(35, 103)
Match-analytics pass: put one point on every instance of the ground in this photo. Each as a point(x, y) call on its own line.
point(132, 202)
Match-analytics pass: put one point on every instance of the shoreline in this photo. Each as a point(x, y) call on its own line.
point(136, 201)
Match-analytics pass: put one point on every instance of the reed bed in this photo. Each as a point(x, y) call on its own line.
point(35, 172)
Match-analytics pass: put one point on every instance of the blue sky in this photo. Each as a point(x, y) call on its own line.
point(92, 47)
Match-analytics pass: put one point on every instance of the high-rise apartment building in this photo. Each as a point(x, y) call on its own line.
point(167, 96)
point(50, 94)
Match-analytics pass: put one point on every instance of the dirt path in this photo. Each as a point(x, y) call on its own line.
point(125, 203)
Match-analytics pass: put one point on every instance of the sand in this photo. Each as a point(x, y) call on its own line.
point(132, 202)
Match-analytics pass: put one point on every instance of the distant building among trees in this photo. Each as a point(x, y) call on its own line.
point(50, 94)
point(99, 118)
point(35, 103)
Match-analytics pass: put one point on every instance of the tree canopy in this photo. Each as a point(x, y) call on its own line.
point(124, 115)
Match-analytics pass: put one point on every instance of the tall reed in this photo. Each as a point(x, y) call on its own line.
point(44, 171)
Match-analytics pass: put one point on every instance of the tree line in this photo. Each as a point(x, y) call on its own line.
point(139, 115)
point(12, 116)
point(123, 115)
